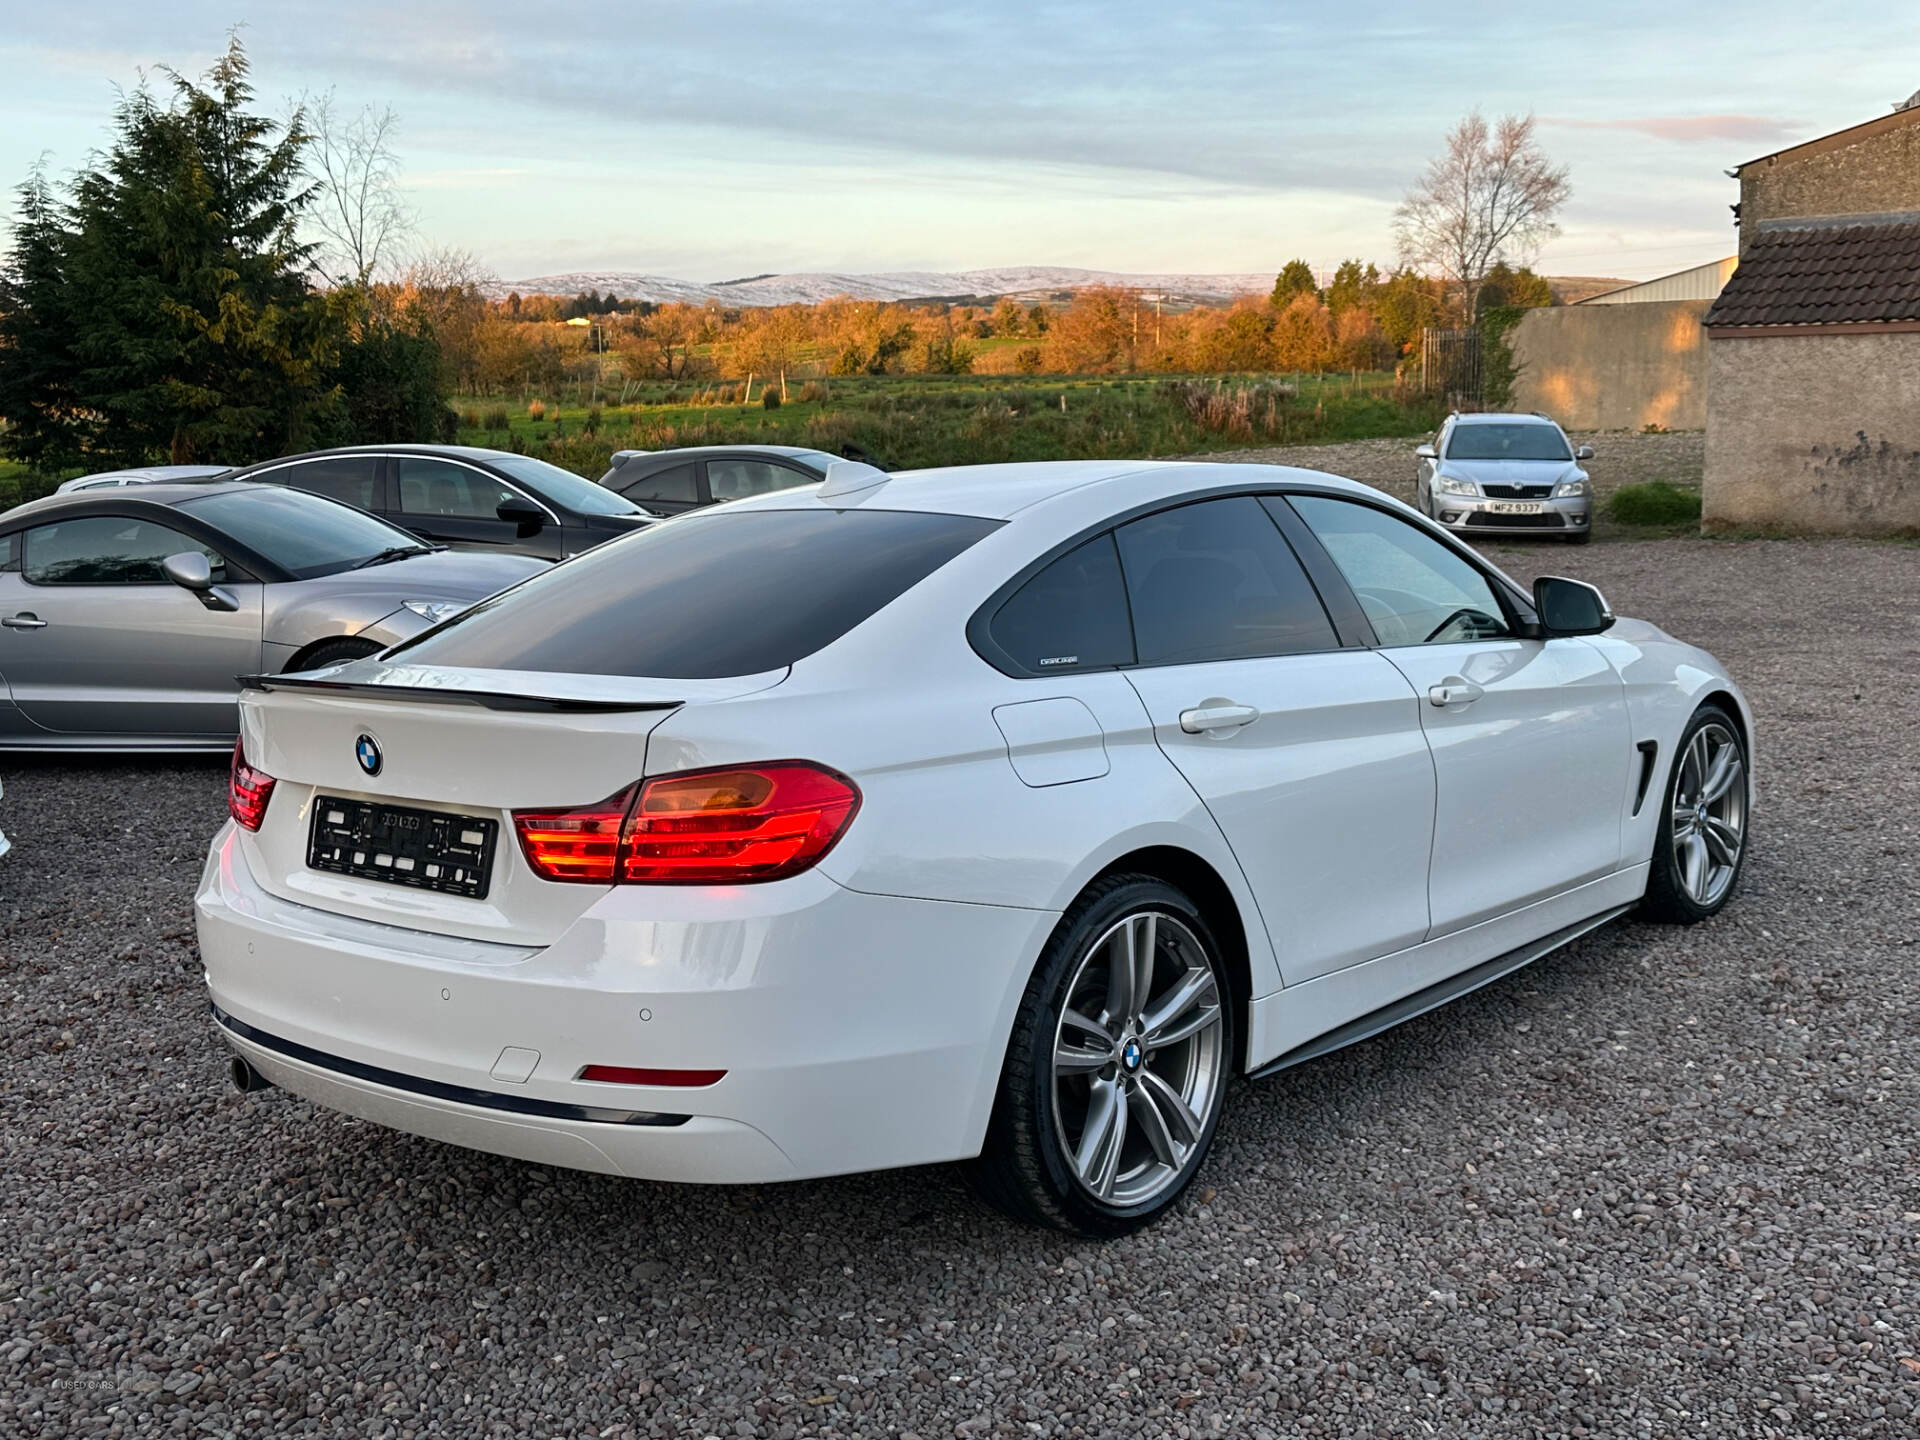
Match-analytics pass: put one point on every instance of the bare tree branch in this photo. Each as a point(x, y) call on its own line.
point(358, 211)
point(1491, 196)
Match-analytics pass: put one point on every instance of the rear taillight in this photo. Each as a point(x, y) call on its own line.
point(248, 791)
point(582, 844)
point(700, 827)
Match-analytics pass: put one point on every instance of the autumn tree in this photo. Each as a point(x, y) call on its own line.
point(1097, 333)
point(1491, 195)
point(1303, 336)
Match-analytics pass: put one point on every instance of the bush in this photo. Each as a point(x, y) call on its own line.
point(1654, 503)
point(536, 411)
point(815, 392)
point(495, 419)
point(1027, 360)
point(470, 418)
point(770, 398)
point(593, 420)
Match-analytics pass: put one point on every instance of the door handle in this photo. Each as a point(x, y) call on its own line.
point(1454, 691)
point(1217, 715)
point(25, 620)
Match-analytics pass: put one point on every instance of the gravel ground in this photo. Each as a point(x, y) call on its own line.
point(1662, 1184)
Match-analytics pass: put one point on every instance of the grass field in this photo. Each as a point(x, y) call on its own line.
point(911, 422)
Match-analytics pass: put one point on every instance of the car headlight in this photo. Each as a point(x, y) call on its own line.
point(433, 610)
point(1450, 486)
point(1567, 489)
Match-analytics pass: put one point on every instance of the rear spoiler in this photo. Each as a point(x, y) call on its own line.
point(442, 695)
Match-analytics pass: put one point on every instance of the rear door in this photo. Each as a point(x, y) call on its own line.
point(95, 640)
point(1309, 754)
point(1531, 741)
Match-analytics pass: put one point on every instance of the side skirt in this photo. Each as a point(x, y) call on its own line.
point(1436, 995)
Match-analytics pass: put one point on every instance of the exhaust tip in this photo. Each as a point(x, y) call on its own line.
point(246, 1079)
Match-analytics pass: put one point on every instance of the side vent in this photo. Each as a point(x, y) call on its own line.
point(1649, 749)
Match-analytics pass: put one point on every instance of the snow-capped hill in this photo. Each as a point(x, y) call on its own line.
point(808, 288)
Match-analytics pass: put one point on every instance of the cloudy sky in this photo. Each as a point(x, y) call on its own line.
point(714, 140)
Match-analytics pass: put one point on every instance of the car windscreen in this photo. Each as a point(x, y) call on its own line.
point(706, 596)
point(306, 535)
point(1507, 442)
point(562, 487)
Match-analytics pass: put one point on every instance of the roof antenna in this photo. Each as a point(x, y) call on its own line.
point(850, 477)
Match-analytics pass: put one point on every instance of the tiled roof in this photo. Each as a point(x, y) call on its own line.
point(1825, 273)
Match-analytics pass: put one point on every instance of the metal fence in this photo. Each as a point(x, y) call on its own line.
point(1450, 366)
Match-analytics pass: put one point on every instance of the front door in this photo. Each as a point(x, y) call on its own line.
point(453, 504)
point(1531, 740)
point(1310, 757)
point(95, 640)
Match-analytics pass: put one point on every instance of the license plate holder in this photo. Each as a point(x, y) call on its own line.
point(1516, 507)
point(402, 845)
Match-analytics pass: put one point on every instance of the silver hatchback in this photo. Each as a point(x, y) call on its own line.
point(127, 615)
point(1494, 473)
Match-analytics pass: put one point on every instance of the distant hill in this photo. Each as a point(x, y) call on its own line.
point(1035, 282)
point(1026, 283)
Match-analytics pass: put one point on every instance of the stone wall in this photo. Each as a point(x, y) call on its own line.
point(1814, 433)
point(1877, 172)
point(1614, 367)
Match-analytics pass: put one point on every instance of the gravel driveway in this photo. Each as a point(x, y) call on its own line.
point(1662, 1184)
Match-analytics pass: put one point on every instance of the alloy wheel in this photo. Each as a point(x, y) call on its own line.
point(1709, 814)
point(1138, 1059)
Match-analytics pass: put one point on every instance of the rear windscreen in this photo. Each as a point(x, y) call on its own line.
point(705, 596)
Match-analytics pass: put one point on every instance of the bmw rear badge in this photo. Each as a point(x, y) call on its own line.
point(367, 751)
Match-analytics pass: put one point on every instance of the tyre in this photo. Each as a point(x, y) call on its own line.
point(1116, 1072)
point(335, 652)
point(1701, 842)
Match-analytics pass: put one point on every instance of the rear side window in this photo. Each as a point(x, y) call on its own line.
point(448, 490)
point(710, 595)
point(1218, 581)
point(1070, 616)
point(352, 478)
point(737, 479)
point(673, 485)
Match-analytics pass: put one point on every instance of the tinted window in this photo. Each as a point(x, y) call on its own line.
point(1486, 441)
point(1070, 616)
point(1218, 581)
point(1414, 589)
point(737, 479)
point(708, 595)
point(675, 485)
point(303, 534)
point(442, 488)
point(107, 550)
point(352, 478)
point(561, 487)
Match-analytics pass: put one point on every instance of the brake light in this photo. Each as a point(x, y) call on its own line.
point(581, 845)
point(248, 791)
point(725, 826)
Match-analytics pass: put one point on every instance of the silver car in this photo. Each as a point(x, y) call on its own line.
point(141, 475)
point(127, 614)
point(1511, 474)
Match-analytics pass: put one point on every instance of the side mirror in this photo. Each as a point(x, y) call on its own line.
point(527, 517)
point(1426, 452)
point(1570, 607)
point(191, 572)
point(1585, 452)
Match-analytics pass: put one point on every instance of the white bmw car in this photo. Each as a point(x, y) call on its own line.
point(996, 814)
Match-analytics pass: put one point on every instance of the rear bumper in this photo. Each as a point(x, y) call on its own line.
point(858, 1032)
